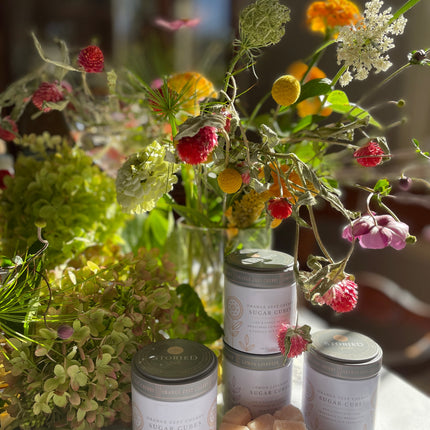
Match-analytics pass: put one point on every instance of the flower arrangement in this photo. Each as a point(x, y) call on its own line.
point(136, 141)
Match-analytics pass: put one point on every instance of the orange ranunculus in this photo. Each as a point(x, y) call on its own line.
point(194, 87)
point(323, 16)
point(298, 69)
point(294, 187)
point(312, 105)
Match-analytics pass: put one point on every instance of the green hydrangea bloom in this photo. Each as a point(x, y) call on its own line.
point(59, 187)
point(144, 178)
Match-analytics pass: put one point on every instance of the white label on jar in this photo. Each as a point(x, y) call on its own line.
point(261, 392)
point(195, 414)
point(336, 404)
point(253, 316)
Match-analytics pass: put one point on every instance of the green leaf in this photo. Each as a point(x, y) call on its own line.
point(75, 398)
point(382, 187)
point(201, 327)
point(73, 370)
point(78, 377)
point(44, 58)
point(47, 334)
point(193, 216)
point(40, 351)
point(339, 102)
point(303, 123)
point(338, 97)
point(60, 400)
point(93, 266)
point(80, 415)
point(60, 372)
point(89, 405)
point(81, 334)
point(51, 384)
point(314, 88)
point(105, 359)
point(100, 392)
point(269, 136)
point(81, 378)
point(149, 230)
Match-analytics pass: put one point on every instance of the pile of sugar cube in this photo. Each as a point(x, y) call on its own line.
point(239, 418)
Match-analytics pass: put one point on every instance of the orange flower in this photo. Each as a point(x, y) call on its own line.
point(298, 69)
point(294, 187)
point(194, 87)
point(323, 16)
point(312, 105)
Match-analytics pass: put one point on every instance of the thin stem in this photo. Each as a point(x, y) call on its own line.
point(317, 235)
point(316, 56)
point(334, 81)
point(233, 63)
point(383, 82)
point(258, 107)
point(341, 71)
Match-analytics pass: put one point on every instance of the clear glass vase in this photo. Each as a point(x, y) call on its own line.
point(200, 258)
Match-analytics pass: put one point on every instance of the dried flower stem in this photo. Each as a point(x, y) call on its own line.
point(317, 235)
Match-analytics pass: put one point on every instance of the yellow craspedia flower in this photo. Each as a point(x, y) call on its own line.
point(230, 180)
point(323, 16)
point(247, 210)
point(286, 90)
point(193, 87)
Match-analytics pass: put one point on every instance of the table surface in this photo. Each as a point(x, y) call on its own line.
point(400, 406)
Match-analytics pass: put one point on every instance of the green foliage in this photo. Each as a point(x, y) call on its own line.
point(340, 103)
point(149, 230)
point(115, 304)
point(19, 291)
point(192, 320)
point(61, 187)
point(382, 187)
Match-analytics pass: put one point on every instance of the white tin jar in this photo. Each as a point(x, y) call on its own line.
point(174, 386)
point(340, 381)
point(262, 383)
point(260, 295)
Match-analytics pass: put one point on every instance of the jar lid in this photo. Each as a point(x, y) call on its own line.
point(174, 370)
point(254, 361)
point(259, 268)
point(344, 354)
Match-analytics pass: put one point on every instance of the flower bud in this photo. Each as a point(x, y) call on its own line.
point(405, 183)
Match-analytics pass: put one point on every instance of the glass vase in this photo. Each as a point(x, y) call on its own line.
point(200, 258)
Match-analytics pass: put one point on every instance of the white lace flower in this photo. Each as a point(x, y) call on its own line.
point(363, 47)
point(144, 178)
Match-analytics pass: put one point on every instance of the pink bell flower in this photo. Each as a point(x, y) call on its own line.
point(377, 232)
point(176, 24)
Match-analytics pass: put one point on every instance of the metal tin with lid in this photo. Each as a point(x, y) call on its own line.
point(262, 383)
point(174, 386)
point(260, 295)
point(341, 373)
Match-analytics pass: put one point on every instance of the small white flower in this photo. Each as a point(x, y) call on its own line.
point(363, 47)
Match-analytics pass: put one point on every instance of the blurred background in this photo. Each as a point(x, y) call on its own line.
point(394, 300)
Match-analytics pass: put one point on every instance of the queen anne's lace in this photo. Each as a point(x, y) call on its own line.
point(363, 47)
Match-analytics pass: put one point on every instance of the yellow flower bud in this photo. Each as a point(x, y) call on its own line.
point(230, 180)
point(286, 90)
